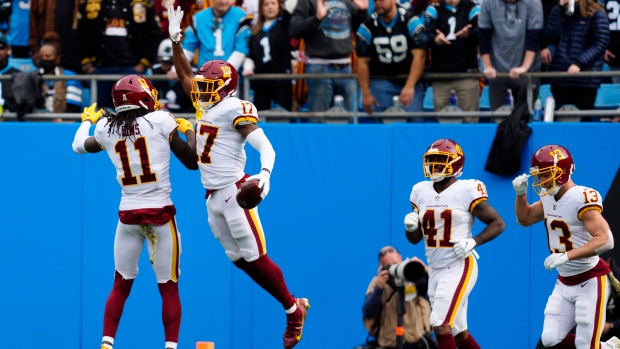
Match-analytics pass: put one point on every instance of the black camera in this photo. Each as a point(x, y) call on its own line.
point(407, 270)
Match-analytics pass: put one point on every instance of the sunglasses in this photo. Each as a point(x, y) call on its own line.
point(386, 251)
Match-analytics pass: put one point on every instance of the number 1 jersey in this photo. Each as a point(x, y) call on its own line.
point(446, 216)
point(220, 147)
point(565, 229)
point(141, 156)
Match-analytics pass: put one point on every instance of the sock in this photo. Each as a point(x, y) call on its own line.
point(291, 310)
point(468, 343)
point(567, 343)
point(268, 276)
point(107, 342)
point(115, 304)
point(170, 311)
point(171, 345)
point(446, 341)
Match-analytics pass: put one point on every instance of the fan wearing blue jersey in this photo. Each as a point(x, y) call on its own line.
point(218, 32)
point(392, 41)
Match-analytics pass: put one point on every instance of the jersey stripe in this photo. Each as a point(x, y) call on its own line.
point(431, 11)
point(257, 230)
point(460, 291)
point(588, 208)
point(364, 33)
point(600, 310)
point(474, 12)
point(475, 203)
point(245, 118)
point(174, 270)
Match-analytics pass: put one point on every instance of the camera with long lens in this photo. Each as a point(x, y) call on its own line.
point(407, 270)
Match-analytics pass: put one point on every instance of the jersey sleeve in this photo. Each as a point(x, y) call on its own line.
point(363, 44)
point(101, 132)
point(243, 113)
point(242, 37)
point(590, 200)
point(417, 32)
point(413, 199)
point(476, 193)
point(169, 126)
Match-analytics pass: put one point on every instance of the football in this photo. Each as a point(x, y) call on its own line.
point(248, 195)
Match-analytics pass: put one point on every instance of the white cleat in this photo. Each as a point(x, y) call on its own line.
point(613, 342)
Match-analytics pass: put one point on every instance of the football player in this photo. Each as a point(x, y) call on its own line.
point(577, 233)
point(443, 214)
point(224, 124)
point(138, 140)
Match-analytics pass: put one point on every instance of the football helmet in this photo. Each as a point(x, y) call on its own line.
point(551, 167)
point(215, 81)
point(134, 92)
point(446, 156)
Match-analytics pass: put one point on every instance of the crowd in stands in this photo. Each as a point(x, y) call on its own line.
point(389, 44)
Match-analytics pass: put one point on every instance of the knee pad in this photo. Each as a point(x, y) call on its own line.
point(582, 313)
point(239, 227)
point(549, 337)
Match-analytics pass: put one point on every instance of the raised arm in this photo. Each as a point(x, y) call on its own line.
point(526, 214)
point(82, 142)
point(181, 64)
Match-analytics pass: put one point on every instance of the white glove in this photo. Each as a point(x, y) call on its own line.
point(263, 182)
point(464, 247)
point(520, 184)
point(174, 23)
point(555, 260)
point(412, 220)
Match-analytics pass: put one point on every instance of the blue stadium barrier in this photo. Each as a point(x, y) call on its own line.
point(325, 219)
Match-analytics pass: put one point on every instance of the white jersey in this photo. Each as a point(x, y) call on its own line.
point(142, 159)
point(220, 147)
point(446, 216)
point(565, 230)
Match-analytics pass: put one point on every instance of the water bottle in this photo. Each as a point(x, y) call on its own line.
point(338, 101)
point(453, 99)
point(549, 109)
point(396, 102)
point(509, 99)
point(538, 113)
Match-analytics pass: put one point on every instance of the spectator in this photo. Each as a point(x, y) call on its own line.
point(270, 50)
point(581, 41)
point(612, 55)
point(55, 16)
point(18, 29)
point(452, 28)
point(171, 94)
point(116, 37)
point(61, 96)
point(509, 32)
point(219, 32)
point(326, 28)
point(6, 69)
point(390, 42)
point(380, 306)
point(161, 11)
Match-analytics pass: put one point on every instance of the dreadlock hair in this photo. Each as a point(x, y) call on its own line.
point(123, 123)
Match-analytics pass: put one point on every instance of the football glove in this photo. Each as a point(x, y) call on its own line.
point(174, 23)
point(464, 247)
point(555, 260)
point(92, 115)
point(412, 220)
point(263, 181)
point(184, 125)
point(520, 184)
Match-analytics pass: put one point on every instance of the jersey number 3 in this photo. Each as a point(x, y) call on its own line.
point(563, 239)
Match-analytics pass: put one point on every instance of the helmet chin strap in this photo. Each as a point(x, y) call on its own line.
point(553, 191)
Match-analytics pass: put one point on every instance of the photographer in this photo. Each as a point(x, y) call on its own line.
point(380, 306)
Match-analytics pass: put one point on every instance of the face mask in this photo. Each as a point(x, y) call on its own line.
point(47, 64)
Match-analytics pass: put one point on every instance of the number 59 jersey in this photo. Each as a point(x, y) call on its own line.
point(220, 147)
point(141, 156)
point(446, 216)
point(565, 229)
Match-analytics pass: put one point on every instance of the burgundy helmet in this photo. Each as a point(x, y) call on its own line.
point(451, 163)
point(134, 92)
point(552, 166)
point(215, 81)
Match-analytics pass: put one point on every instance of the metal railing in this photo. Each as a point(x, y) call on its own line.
point(330, 115)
